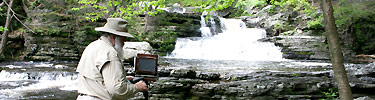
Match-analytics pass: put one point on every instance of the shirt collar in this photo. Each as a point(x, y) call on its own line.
point(106, 40)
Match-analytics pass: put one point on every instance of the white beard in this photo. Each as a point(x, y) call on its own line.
point(118, 48)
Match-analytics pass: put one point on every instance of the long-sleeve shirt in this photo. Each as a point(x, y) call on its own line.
point(101, 73)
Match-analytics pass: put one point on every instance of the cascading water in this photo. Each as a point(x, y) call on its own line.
point(236, 42)
point(31, 80)
point(207, 31)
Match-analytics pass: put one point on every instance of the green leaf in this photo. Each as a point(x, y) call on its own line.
point(1, 28)
point(116, 3)
point(75, 9)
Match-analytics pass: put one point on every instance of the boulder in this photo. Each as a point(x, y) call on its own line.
point(131, 49)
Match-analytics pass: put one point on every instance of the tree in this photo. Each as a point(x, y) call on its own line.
point(4, 36)
point(337, 58)
point(125, 9)
point(130, 8)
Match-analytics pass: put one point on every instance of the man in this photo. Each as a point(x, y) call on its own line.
point(101, 74)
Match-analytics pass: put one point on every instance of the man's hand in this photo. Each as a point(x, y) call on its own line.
point(130, 78)
point(141, 86)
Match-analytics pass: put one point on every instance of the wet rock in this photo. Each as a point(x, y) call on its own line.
point(208, 76)
point(303, 47)
point(164, 72)
point(267, 87)
point(183, 73)
point(256, 85)
point(364, 98)
point(361, 78)
point(173, 88)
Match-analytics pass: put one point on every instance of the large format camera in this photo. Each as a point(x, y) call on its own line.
point(146, 66)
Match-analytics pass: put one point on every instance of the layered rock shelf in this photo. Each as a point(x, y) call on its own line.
point(184, 83)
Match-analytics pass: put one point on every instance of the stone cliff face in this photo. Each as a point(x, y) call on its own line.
point(58, 34)
point(302, 47)
point(62, 34)
point(48, 48)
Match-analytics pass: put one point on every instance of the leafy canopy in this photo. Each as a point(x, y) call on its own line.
point(125, 9)
point(128, 9)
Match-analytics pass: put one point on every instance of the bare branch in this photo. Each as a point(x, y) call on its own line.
point(15, 17)
point(25, 7)
point(2, 4)
point(5, 32)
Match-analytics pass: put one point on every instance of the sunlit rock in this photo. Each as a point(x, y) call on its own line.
point(131, 49)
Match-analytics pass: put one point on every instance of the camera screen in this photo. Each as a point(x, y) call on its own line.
point(146, 64)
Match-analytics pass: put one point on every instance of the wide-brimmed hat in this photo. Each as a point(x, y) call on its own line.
point(115, 26)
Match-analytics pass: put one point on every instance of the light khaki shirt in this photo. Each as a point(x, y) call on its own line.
point(101, 73)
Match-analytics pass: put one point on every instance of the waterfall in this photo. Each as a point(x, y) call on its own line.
point(236, 42)
point(207, 31)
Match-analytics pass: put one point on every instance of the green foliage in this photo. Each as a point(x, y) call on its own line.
point(347, 13)
point(357, 18)
point(134, 27)
point(315, 23)
point(312, 16)
point(294, 75)
point(305, 53)
point(284, 26)
point(278, 25)
point(3, 29)
point(34, 3)
point(184, 3)
point(234, 78)
point(241, 6)
point(330, 95)
point(164, 40)
point(126, 9)
point(47, 31)
point(296, 5)
point(213, 5)
point(289, 32)
point(271, 10)
point(82, 36)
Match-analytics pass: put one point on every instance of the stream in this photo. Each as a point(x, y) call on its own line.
point(38, 80)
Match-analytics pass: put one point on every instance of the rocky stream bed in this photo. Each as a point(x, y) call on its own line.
point(185, 83)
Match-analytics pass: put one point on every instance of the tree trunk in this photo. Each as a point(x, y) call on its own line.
point(25, 8)
point(334, 45)
point(146, 24)
point(147, 19)
point(5, 32)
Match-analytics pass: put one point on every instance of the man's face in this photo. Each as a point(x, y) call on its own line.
point(119, 43)
point(120, 40)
